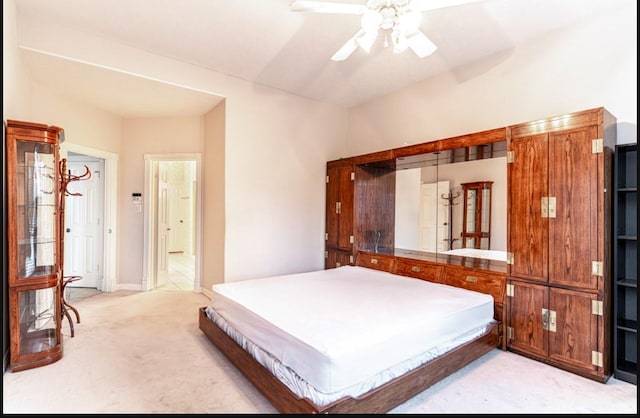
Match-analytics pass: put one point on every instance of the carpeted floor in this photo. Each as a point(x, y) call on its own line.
point(139, 352)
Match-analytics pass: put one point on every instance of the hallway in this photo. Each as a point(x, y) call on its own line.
point(181, 272)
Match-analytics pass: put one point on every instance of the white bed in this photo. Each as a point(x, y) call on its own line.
point(342, 332)
point(478, 253)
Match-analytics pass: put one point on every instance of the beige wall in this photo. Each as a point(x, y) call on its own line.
point(214, 196)
point(275, 149)
point(15, 83)
point(140, 137)
point(590, 65)
point(83, 125)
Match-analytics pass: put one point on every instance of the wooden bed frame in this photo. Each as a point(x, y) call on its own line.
point(378, 400)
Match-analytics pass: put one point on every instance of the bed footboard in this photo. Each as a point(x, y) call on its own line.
point(379, 400)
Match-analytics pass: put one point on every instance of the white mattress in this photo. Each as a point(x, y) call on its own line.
point(339, 327)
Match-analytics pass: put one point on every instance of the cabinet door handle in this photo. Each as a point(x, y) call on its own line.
point(548, 320)
point(552, 321)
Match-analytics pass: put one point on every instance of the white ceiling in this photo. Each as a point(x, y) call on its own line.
point(264, 42)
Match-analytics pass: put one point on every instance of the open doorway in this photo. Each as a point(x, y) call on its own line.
point(172, 222)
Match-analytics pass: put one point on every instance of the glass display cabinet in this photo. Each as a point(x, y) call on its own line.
point(476, 223)
point(32, 152)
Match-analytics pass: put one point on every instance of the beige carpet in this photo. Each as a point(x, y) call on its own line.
point(144, 353)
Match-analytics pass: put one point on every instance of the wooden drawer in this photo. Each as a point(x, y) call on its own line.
point(419, 269)
point(376, 261)
point(494, 284)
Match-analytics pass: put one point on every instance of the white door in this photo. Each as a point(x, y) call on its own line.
point(163, 229)
point(176, 220)
point(84, 226)
point(434, 216)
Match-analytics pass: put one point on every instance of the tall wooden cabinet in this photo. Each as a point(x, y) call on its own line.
point(339, 213)
point(559, 229)
point(32, 152)
point(625, 264)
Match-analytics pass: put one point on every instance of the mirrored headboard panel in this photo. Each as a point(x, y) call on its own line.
point(430, 200)
point(414, 202)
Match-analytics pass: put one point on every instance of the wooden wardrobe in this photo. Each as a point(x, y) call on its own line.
point(559, 215)
point(559, 233)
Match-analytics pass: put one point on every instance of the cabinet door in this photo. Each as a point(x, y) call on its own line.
point(528, 222)
point(334, 259)
point(527, 310)
point(558, 326)
point(32, 204)
point(339, 209)
point(35, 319)
point(573, 336)
point(573, 225)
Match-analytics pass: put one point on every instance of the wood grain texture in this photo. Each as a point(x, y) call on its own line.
point(374, 208)
point(558, 252)
point(528, 227)
point(339, 205)
point(573, 233)
point(423, 270)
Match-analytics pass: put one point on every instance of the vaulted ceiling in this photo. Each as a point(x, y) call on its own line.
point(263, 41)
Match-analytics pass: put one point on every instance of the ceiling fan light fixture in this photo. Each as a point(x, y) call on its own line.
point(371, 21)
point(400, 20)
point(387, 17)
point(409, 21)
point(366, 40)
point(421, 45)
point(399, 41)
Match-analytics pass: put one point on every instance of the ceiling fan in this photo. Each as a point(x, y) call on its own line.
point(400, 18)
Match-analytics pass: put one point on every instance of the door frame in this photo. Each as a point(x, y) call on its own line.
point(149, 201)
point(110, 208)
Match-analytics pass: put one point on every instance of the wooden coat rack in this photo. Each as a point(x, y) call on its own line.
point(65, 179)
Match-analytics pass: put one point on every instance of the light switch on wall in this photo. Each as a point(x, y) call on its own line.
point(137, 201)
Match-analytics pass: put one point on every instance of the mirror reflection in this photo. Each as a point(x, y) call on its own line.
point(453, 202)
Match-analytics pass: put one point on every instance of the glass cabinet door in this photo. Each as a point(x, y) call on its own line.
point(469, 237)
point(38, 320)
point(36, 219)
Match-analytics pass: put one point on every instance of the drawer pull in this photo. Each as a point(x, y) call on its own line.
point(374, 261)
point(472, 279)
point(415, 269)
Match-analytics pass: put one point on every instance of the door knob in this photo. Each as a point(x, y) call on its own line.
point(68, 229)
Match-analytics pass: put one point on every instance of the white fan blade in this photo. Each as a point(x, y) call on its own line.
point(348, 48)
point(424, 5)
point(421, 45)
point(327, 7)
